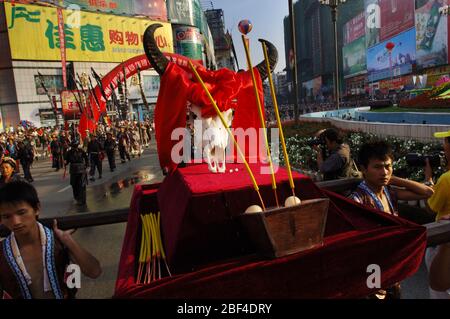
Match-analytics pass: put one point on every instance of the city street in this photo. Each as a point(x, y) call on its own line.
point(105, 242)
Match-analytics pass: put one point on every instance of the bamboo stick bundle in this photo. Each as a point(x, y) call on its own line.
point(151, 251)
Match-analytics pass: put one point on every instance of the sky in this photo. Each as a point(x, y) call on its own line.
point(267, 19)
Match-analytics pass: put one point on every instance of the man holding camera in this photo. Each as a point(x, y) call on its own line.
point(338, 163)
point(438, 258)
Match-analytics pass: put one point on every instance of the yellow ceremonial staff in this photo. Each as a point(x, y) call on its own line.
point(211, 99)
point(277, 114)
point(261, 117)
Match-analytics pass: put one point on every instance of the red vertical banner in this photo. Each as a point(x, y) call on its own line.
point(62, 45)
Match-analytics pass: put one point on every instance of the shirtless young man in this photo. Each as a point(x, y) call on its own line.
point(376, 191)
point(34, 258)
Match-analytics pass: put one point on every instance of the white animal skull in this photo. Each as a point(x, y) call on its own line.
point(214, 139)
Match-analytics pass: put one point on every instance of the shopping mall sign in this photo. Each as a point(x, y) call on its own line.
point(34, 35)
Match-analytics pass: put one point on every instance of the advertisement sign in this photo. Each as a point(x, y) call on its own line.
point(180, 11)
point(397, 16)
point(354, 29)
point(396, 84)
point(437, 73)
point(93, 38)
point(188, 42)
point(387, 18)
point(373, 22)
point(70, 107)
point(188, 12)
point(53, 83)
point(382, 63)
point(113, 6)
point(354, 56)
point(431, 35)
point(155, 9)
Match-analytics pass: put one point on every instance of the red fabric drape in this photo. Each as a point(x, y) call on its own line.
point(212, 258)
point(229, 90)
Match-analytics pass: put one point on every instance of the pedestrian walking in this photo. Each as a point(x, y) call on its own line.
point(77, 159)
point(110, 149)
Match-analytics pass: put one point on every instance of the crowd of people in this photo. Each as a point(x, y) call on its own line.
point(22, 146)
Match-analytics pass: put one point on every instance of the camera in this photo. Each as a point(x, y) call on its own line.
point(320, 140)
point(418, 160)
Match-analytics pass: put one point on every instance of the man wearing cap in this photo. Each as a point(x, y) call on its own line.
point(438, 258)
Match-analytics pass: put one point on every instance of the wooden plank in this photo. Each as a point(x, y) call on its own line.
point(81, 220)
point(339, 185)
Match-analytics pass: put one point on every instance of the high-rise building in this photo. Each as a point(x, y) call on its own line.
point(223, 42)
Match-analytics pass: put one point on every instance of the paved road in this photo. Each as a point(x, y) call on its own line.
point(105, 242)
point(113, 191)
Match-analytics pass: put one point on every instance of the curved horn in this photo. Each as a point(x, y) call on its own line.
point(272, 52)
point(154, 54)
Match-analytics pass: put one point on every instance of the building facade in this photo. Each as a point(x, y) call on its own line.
point(385, 47)
point(97, 35)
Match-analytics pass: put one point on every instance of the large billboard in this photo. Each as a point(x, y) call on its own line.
point(187, 12)
point(387, 18)
point(431, 34)
point(154, 9)
point(382, 63)
point(373, 22)
point(188, 42)
point(354, 55)
point(34, 35)
point(396, 16)
point(354, 29)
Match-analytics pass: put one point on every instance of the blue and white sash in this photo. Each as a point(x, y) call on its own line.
point(363, 186)
point(12, 253)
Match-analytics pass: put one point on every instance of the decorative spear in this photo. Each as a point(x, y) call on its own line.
point(245, 27)
point(144, 99)
point(294, 198)
point(87, 102)
point(115, 101)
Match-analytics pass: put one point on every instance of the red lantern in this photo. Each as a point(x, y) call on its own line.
point(390, 46)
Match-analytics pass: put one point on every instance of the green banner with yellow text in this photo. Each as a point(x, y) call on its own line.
point(33, 35)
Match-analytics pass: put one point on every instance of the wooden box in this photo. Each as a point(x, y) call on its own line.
point(283, 231)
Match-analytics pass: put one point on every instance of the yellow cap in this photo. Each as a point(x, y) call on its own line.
point(442, 134)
